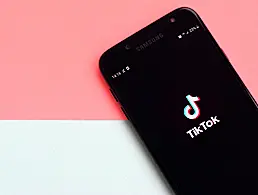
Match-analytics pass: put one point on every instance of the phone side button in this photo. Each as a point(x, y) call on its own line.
point(124, 113)
point(113, 94)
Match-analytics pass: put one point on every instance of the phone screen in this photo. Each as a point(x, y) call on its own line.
point(188, 105)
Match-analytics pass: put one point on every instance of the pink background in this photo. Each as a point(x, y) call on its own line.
point(49, 50)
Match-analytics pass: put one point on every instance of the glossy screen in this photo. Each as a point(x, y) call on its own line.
point(212, 153)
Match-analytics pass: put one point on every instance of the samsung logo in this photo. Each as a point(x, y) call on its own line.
point(149, 42)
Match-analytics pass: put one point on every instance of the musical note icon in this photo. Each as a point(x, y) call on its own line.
point(193, 106)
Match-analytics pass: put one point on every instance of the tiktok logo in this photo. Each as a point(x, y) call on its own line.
point(193, 106)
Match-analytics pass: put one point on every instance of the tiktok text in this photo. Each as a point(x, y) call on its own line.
point(203, 127)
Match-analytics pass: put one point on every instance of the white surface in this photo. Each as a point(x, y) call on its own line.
point(74, 158)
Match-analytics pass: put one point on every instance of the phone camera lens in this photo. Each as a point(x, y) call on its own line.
point(172, 20)
point(127, 47)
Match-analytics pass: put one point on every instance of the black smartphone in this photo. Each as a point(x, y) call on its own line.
point(188, 105)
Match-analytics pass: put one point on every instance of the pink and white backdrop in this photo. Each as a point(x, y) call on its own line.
point(49, 51)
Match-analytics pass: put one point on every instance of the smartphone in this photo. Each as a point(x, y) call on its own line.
point(187, 103)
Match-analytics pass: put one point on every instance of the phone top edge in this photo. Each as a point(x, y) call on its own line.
point(111, 49)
